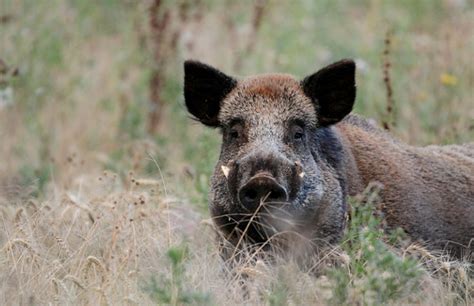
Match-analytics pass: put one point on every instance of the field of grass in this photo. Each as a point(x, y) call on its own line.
point(96, 207)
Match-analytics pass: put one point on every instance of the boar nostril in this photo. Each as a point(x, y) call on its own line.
point(277, 195)
point(261, 187)
point(250, 195)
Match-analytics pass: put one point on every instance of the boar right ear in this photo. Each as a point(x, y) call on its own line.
point(332, 90)
point(204, 89)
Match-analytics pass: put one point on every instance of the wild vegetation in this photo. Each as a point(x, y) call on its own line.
point(104, 178)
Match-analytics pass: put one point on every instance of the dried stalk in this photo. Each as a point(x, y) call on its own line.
point(389, 121)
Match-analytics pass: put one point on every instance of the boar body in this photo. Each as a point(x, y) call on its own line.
point(291, 155)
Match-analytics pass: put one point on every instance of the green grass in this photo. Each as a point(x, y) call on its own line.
point(172, 291)
point(375, 270)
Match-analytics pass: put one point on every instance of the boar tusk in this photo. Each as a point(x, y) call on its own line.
point(225, 170)
point(299, 167)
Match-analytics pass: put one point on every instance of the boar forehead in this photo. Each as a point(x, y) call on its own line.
point(269, 99)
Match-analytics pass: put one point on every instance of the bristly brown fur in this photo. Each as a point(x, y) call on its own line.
point(428, 191)
point(271, 85)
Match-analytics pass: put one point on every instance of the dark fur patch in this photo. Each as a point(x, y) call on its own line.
point(329, 146)
point(330, 149)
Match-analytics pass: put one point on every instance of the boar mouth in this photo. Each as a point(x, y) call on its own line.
point(266, 223)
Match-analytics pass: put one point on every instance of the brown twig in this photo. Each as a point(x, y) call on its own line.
point(165, 31)
point(389, 121)
point(159, 19)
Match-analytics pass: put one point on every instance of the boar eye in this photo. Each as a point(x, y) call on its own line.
point(298, 132)
point(235, 130)
point(234, 134)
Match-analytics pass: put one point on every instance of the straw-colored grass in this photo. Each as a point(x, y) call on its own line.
point(131, 246)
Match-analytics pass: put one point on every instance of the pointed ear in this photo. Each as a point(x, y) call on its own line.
point(332, 90)
point(204, 89)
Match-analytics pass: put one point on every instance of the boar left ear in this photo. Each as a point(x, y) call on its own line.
point(332, 90)
point(204, 89)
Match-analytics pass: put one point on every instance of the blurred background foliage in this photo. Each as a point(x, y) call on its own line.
point(97, 85)
point(91, 107)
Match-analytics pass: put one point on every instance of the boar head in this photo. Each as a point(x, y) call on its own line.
point(280, 164)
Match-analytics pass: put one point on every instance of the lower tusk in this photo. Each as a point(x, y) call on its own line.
point(301, 174)
point(225, 170)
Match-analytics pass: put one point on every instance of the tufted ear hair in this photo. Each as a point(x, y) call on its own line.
point(204, 89)
point(332, 90)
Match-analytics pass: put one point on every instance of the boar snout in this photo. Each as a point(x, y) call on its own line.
point(261, 187)
point(265, 177)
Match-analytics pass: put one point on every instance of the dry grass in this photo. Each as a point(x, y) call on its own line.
point(94, 244)
point(106, 241)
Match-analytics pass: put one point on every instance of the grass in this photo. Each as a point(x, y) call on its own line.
point(96, 210)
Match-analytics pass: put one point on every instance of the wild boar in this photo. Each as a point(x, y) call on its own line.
point(292, 154)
